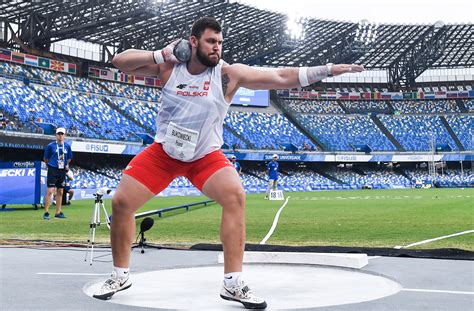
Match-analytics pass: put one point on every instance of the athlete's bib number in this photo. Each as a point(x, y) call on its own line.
point(180, 142)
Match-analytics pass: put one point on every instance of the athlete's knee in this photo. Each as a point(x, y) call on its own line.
point(235, 197)
point(120, 204)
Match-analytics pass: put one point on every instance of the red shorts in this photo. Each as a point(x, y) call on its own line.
point(156, 170)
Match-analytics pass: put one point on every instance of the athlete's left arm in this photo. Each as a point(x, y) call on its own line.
point(285, 78)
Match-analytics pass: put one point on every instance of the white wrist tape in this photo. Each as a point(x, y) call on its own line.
point(310, 75)
point(317, 73)
point(158, 57)
point(303, 76)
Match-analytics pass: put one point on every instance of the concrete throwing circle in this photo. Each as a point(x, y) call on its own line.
point(282, 286)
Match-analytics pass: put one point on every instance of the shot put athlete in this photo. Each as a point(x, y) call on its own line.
point(196, 96)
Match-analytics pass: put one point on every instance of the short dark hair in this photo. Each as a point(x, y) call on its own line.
point(202, 24)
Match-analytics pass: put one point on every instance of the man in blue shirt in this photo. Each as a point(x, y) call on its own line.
point(236, 164)
point(272, 169)
point(57, 155)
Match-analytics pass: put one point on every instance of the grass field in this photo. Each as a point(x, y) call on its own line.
point(370, 218)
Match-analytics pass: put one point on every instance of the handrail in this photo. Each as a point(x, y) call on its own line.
point(171, 208)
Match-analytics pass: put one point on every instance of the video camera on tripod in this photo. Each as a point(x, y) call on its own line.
point(102, 191)
point(95, 220)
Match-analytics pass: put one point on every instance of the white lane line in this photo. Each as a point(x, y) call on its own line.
point(275, 221)
point(437, 291)
point(59, 273)
point(373, 257)
point(435, 239)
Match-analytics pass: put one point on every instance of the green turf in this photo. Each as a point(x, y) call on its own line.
point(370, 218)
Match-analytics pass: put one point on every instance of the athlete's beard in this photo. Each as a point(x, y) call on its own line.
point(206, 60)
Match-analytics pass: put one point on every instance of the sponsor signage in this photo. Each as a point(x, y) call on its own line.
point(22, 182)
point(93, 147)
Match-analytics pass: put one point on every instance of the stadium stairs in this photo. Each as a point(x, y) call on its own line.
point(387, 133)
point(124, 113)
point(248, 172)
point(343, 107)
point(329, 176)
point(402, 172)
point(245, 140)
point(461, 106)
point(451, 132)
point(63, 110)
point(358, 171)
point(390, 107)
point(289, 115)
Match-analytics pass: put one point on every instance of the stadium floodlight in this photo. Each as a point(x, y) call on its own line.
point(294, 32)
point(295, 26)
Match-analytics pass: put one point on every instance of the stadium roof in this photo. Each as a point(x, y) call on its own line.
point(252, 35)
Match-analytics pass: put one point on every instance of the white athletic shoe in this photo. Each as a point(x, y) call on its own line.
point(111, 286)
point(242, 293)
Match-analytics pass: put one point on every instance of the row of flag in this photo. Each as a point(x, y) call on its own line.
point(375, 95)
point(36, 61)
point(106, 74)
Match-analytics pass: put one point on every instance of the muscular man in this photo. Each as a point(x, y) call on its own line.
point(195, 100)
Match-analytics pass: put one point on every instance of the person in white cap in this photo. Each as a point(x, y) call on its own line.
point(272, 170)
point(236, 164)
point(57, 156)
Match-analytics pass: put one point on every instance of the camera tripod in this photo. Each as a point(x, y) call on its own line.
point(95, 222)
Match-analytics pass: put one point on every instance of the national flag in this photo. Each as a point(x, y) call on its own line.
point(367, 95)
point(452, 94)
point(430, 95)
point(123, 77)
point(331, 95)
point(312, 94)
point(107, 74)
point(5, 54)
point(18, 57)
point(440, 94)
point(463, 95)
point(354, 95)
point(71, 68)
point(294, 93)
point(386, 95)
point(43, 62)
point(94, 72)
point(57, 65)
point(116, 76)
point(157, 82)
point(149, 81)
point(31, 60)
point(140, 80)
point(343, 95)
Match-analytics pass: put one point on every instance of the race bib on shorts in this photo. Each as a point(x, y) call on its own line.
point(180, 142)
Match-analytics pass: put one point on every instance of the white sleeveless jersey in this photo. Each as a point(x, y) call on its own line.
point(190, 120)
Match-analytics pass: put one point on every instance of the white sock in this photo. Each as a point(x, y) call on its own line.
point(122, 272)
point(231, 278)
